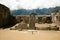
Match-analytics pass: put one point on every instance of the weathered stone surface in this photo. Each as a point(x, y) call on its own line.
point(4, 15)
point(6, 19)
point(19, 26)
point(32, 21)
point(56, 18)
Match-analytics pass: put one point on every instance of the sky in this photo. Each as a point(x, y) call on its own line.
point(30, 4)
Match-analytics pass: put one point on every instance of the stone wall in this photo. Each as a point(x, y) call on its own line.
point(45, 19)
point(22, 18)
point(55, 17)
point(5, 16)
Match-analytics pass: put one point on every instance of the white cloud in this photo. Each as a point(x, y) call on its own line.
point(30, 4)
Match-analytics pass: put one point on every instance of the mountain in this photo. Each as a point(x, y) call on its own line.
point(37, 11)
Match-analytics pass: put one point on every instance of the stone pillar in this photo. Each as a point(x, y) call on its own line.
point(32, 21)
point(58, 20)
point(53, 17)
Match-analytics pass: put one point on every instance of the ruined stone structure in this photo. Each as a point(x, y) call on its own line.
point(32, 21)
point(21, 18)
point(38, 18)
point(22, 26)
point(53, 18)
point(44, 18)
point(56, 18)
point(6, 19)
point(4, 15)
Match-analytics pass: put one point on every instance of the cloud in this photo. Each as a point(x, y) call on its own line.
point(30, 4)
